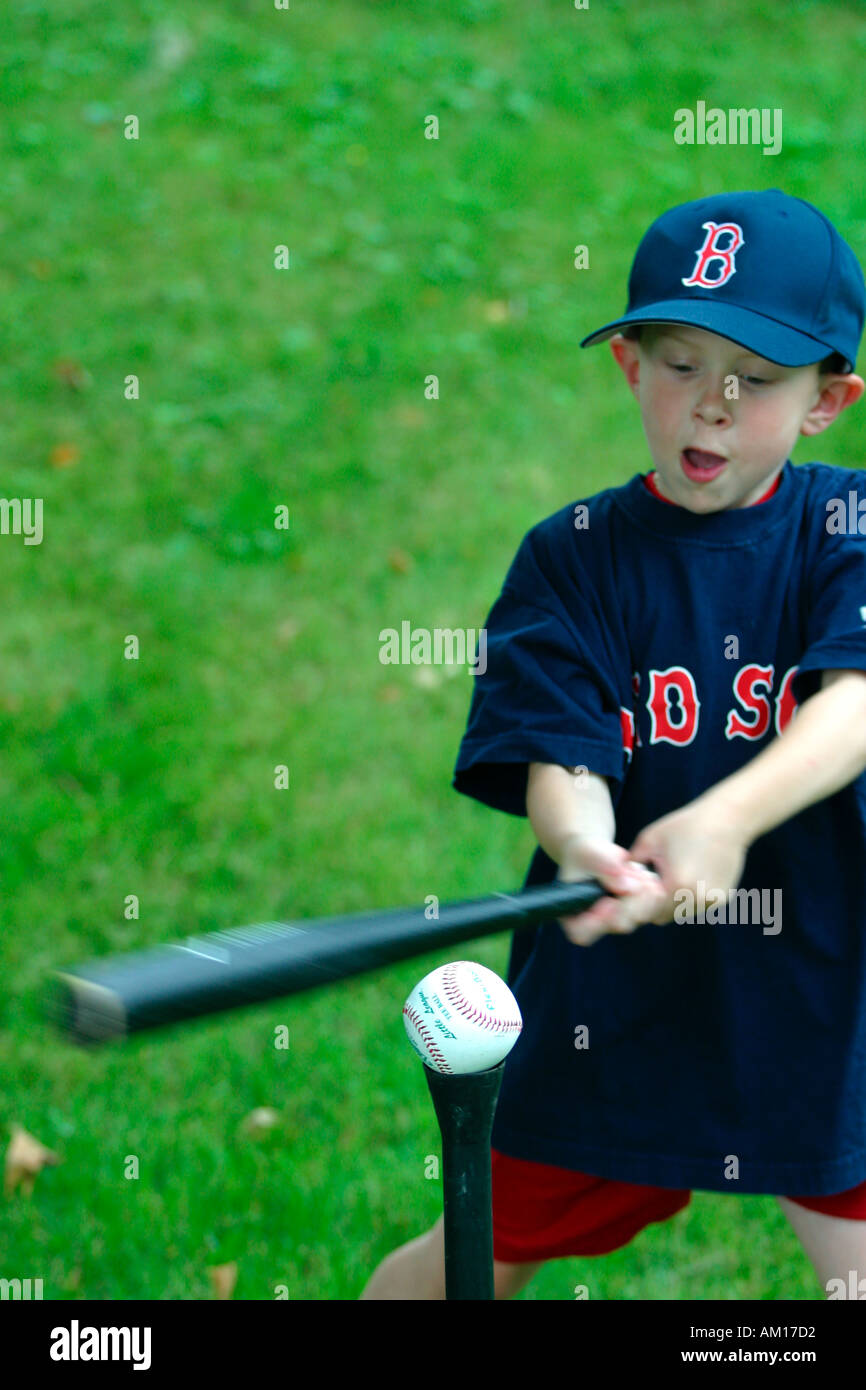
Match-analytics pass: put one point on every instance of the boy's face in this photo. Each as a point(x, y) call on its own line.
point(678, 374)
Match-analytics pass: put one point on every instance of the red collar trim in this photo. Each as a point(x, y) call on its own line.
point(649, 481)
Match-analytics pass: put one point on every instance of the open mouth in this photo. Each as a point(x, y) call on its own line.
point(700, 466)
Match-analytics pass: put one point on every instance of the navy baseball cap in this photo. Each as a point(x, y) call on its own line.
point(764, 269)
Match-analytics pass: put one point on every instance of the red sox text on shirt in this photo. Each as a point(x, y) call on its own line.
point(752, 713)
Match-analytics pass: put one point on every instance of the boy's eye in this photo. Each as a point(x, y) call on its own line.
point(751, 380)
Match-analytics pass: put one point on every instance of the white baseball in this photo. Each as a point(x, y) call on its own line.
point(462, 1018)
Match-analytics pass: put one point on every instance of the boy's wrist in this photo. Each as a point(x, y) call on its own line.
point(568, 849)
point(573, 846)
point(729, 810)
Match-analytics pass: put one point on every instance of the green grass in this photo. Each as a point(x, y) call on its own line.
point(304, 387)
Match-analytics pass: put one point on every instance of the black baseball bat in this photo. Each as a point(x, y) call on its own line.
point(111, 998)
point(465, 1107)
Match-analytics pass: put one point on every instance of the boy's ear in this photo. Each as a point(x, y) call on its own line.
point(837, 393)
point(627, 357)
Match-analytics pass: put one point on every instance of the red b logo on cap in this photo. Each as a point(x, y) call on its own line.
point(711, 251)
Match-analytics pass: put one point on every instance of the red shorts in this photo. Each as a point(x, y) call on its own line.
point(545, 1213)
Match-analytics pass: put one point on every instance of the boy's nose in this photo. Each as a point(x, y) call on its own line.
point(712, 404)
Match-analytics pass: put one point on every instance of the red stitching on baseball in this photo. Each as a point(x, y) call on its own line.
point(462, 1005)
point(428, 1037)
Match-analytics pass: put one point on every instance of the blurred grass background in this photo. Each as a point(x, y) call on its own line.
point(304, 387)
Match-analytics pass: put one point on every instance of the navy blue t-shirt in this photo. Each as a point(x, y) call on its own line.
point(664, 650)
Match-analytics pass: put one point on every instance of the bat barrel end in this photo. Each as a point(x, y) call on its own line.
point(85, 1012)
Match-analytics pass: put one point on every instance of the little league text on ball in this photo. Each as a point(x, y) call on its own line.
point(429, 1008)
point(446, 1032)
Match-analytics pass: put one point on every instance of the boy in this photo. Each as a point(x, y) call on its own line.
point(675, 695)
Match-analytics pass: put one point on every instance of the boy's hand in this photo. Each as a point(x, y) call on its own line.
point(692, 845)
point(637, 892)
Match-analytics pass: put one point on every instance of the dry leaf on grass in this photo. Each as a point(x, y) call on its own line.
point(223, 1279)
point(64, 455)
point(389, 694)
point(71, 373)
point(410, 417)
point(400, 562)
point(25, 1159)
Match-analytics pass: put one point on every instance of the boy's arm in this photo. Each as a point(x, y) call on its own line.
point(821, 750)
point(574, 822)
point(565, 806)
